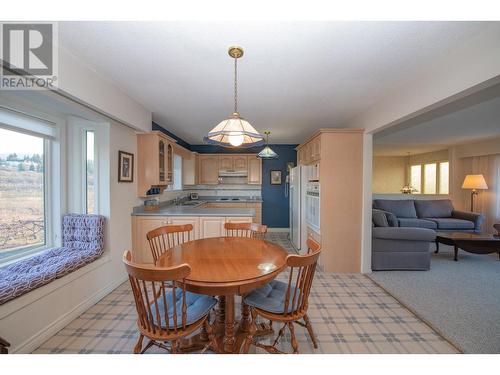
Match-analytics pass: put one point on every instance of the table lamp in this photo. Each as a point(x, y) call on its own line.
point(474, 182)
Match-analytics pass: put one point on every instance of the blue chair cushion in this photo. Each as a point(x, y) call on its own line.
point(198, 305)
point(271, 297)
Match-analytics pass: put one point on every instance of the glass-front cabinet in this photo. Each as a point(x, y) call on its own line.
point(161, 161)
point(170, 163)
point(155, 155)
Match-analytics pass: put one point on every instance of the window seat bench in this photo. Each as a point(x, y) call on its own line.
point(83, 243)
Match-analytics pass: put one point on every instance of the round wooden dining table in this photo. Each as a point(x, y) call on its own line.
point(226, 267)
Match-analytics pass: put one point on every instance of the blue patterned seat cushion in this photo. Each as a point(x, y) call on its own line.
point(271, 297)
point(198, 305)
point(83, 242)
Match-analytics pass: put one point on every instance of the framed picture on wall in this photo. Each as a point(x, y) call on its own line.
point(275, 177)
point(125, 167)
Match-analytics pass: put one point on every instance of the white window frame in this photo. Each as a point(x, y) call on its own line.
point(77, 182)
point(23, 119)
point(438, 175)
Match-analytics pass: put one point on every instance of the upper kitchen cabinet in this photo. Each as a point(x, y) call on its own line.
point(254, 170)
point(190, 169)
point(233, 163)
point(155, 162)
point(226, 163)
point(208, 169)
point(310, 152)
point(240, 163)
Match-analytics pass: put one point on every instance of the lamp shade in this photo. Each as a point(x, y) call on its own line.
point(234, 132)
point(474, 181)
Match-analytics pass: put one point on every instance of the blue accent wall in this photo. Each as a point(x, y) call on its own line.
point(275, 209)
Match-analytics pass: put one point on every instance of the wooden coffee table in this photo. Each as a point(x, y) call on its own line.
point(476, 243)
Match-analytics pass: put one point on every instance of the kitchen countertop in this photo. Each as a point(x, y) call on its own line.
point(239, 200)
point(172, 210)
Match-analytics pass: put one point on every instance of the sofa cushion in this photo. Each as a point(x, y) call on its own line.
point(452, 224)
point(417, 223)
point(400, 208)
point(406, 234)
point(434, 208)
point(379, 218)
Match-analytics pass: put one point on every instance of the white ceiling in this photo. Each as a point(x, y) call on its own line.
point(295, 77)
point(474, 118)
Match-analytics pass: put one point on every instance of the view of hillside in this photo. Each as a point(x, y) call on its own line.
point(21, 201)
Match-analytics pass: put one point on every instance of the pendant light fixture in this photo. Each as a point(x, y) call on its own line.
point(234, 131)
point(267, 152)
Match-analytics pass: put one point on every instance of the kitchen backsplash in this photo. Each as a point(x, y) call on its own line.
point(213, 191)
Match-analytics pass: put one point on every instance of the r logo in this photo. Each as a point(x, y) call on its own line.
point(27, 48)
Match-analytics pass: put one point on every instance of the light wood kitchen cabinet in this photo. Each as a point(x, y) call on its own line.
point(208, 169)
point(240, 162)
point(212, 226)
point(184, 220)
point(336, 157)
point(226, 163)
point(154, 161)
point(310, 151)
point(190, 169)
point(141, 225)
point(254, 170)
point(233, 163)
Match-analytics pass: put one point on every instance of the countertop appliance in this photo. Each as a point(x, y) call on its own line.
point(194, 196)
point(313, 206)
point(298, 180)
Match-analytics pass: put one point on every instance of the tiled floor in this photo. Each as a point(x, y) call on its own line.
point(349, 313)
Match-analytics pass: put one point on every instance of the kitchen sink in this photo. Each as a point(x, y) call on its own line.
point(191, 203)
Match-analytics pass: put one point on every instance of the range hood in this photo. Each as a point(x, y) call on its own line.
point(232, 173)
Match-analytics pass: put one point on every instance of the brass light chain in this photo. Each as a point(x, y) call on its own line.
point(236, 85)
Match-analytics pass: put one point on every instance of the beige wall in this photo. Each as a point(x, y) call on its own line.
point(389, 174)
point(429, 157)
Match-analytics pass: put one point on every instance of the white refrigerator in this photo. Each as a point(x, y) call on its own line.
point(298, 230)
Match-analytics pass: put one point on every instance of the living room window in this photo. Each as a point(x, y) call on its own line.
point(23, 192)
point(430, 178)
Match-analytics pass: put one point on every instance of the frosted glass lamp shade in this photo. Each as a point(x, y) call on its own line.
point(267, 153)
point(474, 181)
point(234, 132)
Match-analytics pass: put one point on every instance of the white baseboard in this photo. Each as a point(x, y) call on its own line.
point(287, 230)
point(40, 337)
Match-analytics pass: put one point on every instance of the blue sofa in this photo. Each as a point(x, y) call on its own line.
point(438, 215)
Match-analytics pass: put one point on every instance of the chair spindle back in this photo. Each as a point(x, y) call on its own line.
point(249, 230)
point(300, 278)
point(163, 238)
point(156, 291)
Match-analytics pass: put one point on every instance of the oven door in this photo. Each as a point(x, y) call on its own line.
point(313, 211)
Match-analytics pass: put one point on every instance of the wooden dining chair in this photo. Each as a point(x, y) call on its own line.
point(250, 230)
point(286, 302)
point(163, 238)
point(166, 312)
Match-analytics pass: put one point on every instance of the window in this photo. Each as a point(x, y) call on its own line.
point(90, 190)
point(177, 175)
point(430, 178)
point(23, 179)
point(444, 177)
point(416, 178)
